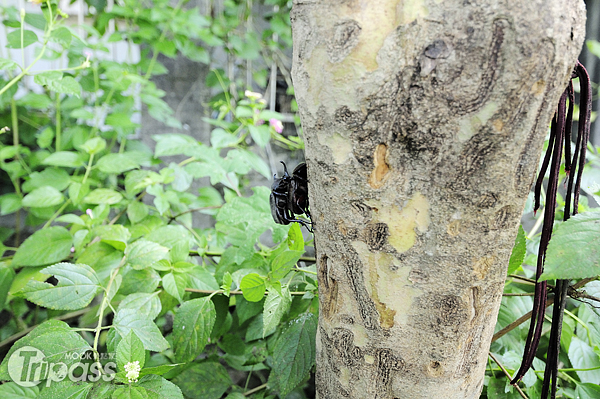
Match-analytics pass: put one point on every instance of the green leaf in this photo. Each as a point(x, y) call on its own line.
point(593, 47)
point(587, 391)
point(143, 253)
point(9, 203)
point(62, 36)
point(14, 39)
point(103, 196)
point(253, 287)
point(7, 65)
point(129, 392)
point(7, 275)
point(10, 390)
point(115, 235)
point(582, 356)
point(518, 252)
point(260, 134)
point(127, 320)
point(208, 380)
point(66, 389)
point(294, 354)
point(38, 101)
point(54, 177)
point(219, 138)
point(116, 163)
point(283, 262)
point(146, 303)
point(54, 338)
point(77, 286)
point(574, 250)
point(67, 159)
point(43, 197)
point(173, 144)
point(137, 211)
point(94, 145)
point(44, 247)
point(174, 285)
point(159, 388)
point(276, 305)
point(71, 219)
point(194, 321)
point(129, 350)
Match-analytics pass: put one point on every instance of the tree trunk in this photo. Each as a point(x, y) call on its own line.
point(423, 121)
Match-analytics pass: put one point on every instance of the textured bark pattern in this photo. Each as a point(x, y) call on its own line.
point(423, 122)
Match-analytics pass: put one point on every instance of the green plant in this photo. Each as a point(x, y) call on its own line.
point(171, 302)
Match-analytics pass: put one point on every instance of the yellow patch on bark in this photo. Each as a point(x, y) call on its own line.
point(403, 222)
point(381, 172)
point(482, 266)
point(453, 228)
point(387, 284)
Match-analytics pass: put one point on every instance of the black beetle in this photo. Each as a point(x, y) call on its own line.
point(289, 196)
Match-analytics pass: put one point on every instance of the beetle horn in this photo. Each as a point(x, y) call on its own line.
point(284, 168)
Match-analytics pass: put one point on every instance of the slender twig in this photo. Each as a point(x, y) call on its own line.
point(507, 375)
point(258, 388)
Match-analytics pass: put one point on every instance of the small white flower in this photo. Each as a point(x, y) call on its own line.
point(133, 371)
point(252, 95)
point(89, 213)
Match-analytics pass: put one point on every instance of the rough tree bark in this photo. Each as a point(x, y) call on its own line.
point(423, 121)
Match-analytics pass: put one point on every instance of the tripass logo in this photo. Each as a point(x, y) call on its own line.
point(27, 367)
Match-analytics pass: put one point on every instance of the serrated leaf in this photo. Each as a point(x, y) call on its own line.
point(208, 380)
point(574, 250)
point(253, 287)
point(130, 319)
point(582, 356)
point(44, 247)
point(43, 197)
point(518, 252)
point(7, 65)
point(276, 305)
point(194, 321)
point(62, 36)
point(10, 390)
point(115, 235)
point(143, 253)
point(77, 286)
point(130, 349)
point(283, 262)
point(55, 339)
point(116, 163)
point(103, 196)
point(294, 353)
point(66, 389)
point(158, 387)
point(146, 303)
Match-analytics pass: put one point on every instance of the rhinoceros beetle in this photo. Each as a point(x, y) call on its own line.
point(289, 196)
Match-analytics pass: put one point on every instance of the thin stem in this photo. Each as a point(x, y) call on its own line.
point(88, 168)
point(507, 374)
point(57, 213)
point(258, 388)
point(58, 145)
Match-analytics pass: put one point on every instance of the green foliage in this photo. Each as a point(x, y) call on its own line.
point(159, 302)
